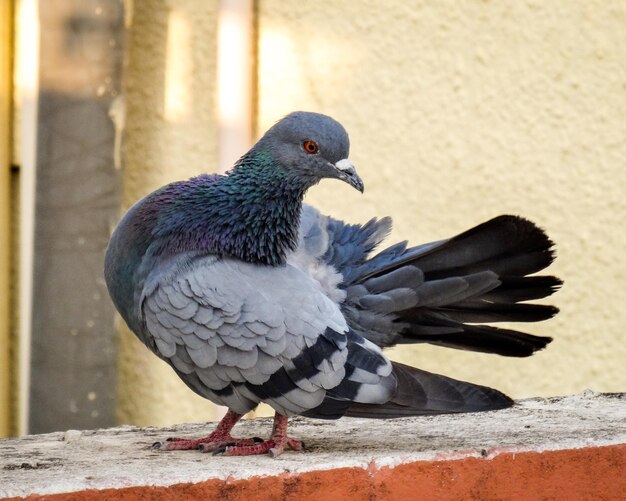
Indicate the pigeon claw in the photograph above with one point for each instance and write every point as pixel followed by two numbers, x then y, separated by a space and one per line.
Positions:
pixel 295 444
pixel 274 452
pixel 208 447
pixel 219 451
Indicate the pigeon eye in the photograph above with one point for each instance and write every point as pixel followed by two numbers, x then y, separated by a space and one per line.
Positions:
pixel 310 146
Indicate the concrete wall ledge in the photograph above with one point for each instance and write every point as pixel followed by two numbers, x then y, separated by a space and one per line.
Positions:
pixel 556 448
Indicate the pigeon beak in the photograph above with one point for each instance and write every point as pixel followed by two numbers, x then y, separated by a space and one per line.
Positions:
pixel 346 172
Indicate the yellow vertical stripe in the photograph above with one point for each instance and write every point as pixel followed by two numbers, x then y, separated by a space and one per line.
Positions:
pixel 6 45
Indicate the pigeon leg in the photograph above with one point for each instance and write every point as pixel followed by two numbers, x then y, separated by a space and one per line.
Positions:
pixel 274 446
pixel 218 438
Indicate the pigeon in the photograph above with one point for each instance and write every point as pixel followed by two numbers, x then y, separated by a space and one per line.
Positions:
pixel 252 296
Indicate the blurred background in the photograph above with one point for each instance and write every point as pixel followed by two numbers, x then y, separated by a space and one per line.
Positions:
pixel 457 111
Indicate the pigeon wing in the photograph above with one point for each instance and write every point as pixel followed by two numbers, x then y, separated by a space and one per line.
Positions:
pixel 239 334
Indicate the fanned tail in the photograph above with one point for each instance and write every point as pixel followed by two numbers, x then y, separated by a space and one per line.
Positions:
pixel 444 292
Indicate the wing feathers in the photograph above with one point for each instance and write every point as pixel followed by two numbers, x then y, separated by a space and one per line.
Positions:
pixel 285 346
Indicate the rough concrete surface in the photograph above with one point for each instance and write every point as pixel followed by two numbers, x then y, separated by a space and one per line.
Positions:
pixel 122 457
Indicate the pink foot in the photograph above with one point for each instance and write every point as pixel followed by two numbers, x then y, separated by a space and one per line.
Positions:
pixel 219 437
pixel 274 447
pixel 270 447
pixel 205 444
pixel 222 442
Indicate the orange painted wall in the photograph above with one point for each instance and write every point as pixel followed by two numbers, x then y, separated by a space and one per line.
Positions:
pixel 595 473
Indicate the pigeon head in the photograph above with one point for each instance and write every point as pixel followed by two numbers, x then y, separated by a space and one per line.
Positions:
pixel 310 147
pixel 253 212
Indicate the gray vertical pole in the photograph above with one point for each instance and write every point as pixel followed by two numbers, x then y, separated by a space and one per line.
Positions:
pixel 78 193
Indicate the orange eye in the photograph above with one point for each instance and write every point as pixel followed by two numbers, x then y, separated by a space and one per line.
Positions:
pixel 310 146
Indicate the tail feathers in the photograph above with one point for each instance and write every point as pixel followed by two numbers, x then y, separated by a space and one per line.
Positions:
pixel 423 393
pixel 503 265
pixel 515 289
pixel 506 245
pixel 479 311
pixel 405 290
pixel 480 338
pixel 442 293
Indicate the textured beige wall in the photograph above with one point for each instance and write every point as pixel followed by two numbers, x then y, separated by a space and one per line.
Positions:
pixel 460 111
pixel 457 111
pixel 171 134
